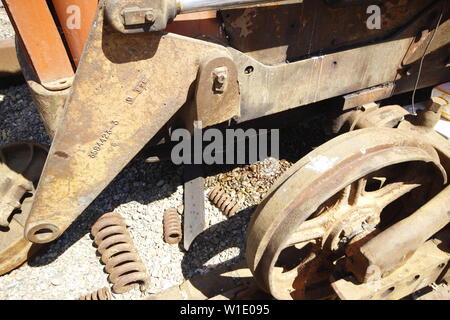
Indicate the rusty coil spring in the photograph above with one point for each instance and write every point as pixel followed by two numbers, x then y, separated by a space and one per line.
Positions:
pixel 172 226
pixel 118 253
pixel 100 294
pixel 224 202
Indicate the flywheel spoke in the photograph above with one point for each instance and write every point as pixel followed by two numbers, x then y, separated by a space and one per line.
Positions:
pixel 392 192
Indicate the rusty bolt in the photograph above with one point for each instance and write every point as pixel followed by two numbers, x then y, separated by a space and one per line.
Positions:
pixel 135 16
pixel 150 16
pixel 220 76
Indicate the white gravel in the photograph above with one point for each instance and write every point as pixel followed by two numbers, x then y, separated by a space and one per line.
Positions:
pixel 7 30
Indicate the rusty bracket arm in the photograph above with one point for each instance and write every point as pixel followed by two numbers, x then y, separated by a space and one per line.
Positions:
pixel 126 88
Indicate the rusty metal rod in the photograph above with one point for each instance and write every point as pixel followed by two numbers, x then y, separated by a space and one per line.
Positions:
pixel 204 5
pixel 76 18
pixel 42 42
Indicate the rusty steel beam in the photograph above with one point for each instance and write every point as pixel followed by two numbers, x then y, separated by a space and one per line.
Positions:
pixel 76 18
pixel 33 21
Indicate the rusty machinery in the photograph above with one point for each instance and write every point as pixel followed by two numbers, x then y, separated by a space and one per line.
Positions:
pixel 339 221
pixel 118 253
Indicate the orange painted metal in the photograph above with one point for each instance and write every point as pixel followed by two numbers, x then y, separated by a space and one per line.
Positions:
pixel 76 18
pixel 197 25
pixel 33 21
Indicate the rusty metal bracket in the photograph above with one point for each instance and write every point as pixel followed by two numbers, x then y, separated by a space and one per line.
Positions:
pixel 424 267
pixel 217 96
pixel 134 16
pixel 98 133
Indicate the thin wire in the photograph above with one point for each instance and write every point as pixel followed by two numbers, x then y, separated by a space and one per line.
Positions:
pixel 423 58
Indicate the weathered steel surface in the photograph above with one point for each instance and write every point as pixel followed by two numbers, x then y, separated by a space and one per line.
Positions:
pixel 370 115
pixel 215 106
pixel 422 269
pixel 9 65
pixel 368 95
pixel 329 75
pixel 20 168
pixel 200 25
pixel 395 245
pixel 76 18
pixel 314 79
pixel 33 21
pixel 316 178
pixel 126 88
pixel 136 16
pixel 49 103
pixel 194 221
pixel 276 34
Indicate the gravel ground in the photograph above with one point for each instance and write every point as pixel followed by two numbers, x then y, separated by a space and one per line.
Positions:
pixel 70 267
pixel 6 29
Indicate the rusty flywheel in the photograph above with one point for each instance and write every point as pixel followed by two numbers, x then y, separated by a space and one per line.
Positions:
pixel 20 168
pixel 341 194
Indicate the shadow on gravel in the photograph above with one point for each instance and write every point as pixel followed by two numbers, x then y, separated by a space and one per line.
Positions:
pixel 138 182
pixel 233 233
pixel 145 183
pixel 135 183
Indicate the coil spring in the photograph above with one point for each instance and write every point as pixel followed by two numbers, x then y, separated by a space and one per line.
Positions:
pixel 100 294
pixel 118 253
pixel 224 202
pixel 172 226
